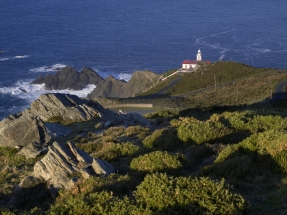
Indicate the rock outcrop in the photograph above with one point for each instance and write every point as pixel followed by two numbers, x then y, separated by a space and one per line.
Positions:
pixel 21 129
pixel 140 81
pixel 64 163
pixel 33 150
pixel 69 78
pixel 110 87
pixel 66 107
pixel 71 108
pixel 32 125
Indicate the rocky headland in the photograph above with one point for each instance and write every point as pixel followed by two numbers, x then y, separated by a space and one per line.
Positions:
pixel 69 78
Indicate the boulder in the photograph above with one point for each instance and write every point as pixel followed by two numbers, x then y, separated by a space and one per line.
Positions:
pixel 64 164
pixel 69 78
pixel 22 129
pixel 33 150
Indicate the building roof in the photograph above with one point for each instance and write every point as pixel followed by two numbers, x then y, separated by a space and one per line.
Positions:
pixel 189 62
pixel 195 61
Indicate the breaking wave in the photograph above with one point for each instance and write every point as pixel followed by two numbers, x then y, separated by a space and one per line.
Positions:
pixel 30 92
pixel 53 68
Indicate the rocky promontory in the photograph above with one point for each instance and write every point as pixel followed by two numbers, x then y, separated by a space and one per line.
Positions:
pixel 140 81
pixel 69 78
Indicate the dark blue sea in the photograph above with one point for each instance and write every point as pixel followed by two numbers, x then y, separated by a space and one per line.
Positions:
pixel 118 37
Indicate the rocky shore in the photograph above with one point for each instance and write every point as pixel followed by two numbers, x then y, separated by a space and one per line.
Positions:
pixel 69 78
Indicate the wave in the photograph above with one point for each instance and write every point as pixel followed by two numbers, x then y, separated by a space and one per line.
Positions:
pixel 53 68
pixel 31 92
pixel 260 51
pixel 4 59
pixel 21 56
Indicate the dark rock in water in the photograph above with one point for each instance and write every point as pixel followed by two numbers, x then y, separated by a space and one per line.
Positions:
pixel 140 81
pixel 23 90
pixel 69 78
pixel 64 163
pixel 22 129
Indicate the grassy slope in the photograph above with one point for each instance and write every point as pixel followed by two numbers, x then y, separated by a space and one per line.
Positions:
pixel 222 71
pixel 248 145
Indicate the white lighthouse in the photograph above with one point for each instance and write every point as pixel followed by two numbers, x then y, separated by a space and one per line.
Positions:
pixel 199 56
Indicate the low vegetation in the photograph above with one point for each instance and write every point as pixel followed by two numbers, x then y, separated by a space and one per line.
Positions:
pixel 202 160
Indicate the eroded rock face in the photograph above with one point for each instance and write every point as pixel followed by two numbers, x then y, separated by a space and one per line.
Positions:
pixel 21 129
pixel 64 162
pixel 69 78
pixel 66 107
pixel 140 81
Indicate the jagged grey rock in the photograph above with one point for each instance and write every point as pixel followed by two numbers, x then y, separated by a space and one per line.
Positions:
pixel 69 78
pixel 140 81
pixel 33 150
pixel 22 129
pixel 71 108
pixel 64 162
pixel 67 107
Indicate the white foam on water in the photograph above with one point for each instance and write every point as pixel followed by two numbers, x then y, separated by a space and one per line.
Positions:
pixel 222 49
pixel 261 51
pixel 21 56
pixel 121 76
pixel 125 76
pixel 52 68
pixel 31 92
pixel 4 59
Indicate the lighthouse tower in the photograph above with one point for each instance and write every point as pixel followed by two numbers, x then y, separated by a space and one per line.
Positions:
pixel 199 56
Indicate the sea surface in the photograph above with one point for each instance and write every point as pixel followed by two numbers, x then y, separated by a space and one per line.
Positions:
pixel 118 37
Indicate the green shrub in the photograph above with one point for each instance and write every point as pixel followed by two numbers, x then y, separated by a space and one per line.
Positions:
pixel 202 131
pixel 160 192
pixel 157 161
pixel 258 155
pixel 164 139
pixel 102 203
pixel 124 149
pixel 250 121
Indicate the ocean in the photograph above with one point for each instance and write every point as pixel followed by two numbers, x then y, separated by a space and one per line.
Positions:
pixel 119 37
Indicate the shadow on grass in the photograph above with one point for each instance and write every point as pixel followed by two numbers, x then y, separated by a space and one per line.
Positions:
pixel 256 176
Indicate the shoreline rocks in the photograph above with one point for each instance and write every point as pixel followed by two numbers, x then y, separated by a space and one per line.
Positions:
pixel 69 78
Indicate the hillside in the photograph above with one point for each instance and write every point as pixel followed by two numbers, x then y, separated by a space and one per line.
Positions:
pixel 207 76
pixel 228 160
pixel 217 150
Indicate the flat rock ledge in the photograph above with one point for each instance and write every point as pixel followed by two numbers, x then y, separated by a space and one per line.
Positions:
pixel 64 164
